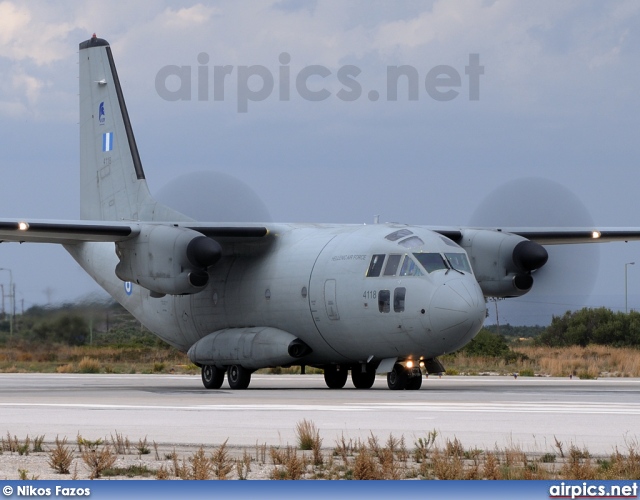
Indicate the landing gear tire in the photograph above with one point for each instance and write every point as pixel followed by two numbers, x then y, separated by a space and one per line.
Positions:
pixel 238 377
pixel 335 378
pixel 397 378
pixel 212 377
pixel 414 383
pixel 362 380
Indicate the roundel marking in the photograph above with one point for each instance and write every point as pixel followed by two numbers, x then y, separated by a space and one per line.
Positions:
pixel 128 287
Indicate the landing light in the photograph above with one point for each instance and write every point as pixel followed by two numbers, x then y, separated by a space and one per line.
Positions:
pixel 595 235
pixel 23 226
pixel 409 364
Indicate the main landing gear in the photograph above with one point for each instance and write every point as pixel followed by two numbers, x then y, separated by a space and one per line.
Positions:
pixel 335 376
pixel 237 376
pixel 363 380
pixel 212 377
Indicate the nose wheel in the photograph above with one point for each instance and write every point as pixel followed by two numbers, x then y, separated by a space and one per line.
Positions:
pixel 401 378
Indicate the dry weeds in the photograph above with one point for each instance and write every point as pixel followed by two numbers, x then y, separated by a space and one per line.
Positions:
pixel 61 456
pixel 588 362
pixel 84 359
pixel 98 461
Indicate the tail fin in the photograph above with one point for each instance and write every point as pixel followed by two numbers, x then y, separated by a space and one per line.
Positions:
pixel 112 181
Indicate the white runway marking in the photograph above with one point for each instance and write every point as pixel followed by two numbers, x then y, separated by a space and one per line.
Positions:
pixel 509 407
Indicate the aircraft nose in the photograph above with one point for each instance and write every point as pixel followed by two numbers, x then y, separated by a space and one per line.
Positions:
pixel 457 311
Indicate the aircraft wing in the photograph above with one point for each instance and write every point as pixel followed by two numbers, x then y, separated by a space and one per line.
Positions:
pixel 70 232
pixel 64 232
pixel 555 235
pixel 565 236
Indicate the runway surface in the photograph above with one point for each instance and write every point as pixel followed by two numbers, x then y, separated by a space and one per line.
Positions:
pixel 481 412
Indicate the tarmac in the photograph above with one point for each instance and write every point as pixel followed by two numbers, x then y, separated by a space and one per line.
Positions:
pixel 482 412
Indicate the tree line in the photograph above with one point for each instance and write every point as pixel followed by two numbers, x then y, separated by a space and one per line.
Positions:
pixel 592 326
pixel 98 323
pixel 110 324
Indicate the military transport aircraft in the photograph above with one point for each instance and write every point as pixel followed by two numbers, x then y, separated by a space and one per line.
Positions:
pixel 379 298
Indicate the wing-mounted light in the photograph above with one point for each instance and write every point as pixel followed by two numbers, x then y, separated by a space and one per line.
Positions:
pixel 167 259
pixel 503 262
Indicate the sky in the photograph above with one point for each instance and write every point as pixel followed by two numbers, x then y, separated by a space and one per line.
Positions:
pixel 501 97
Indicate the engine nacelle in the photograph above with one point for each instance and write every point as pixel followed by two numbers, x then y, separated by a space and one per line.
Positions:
pixel 251 348
pixel 167 259
pixel 502 262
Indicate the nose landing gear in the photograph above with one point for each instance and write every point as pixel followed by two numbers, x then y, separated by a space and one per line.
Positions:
pixel 401 378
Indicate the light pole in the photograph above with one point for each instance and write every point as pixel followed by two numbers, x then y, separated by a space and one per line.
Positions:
pixel 11 304
pixel 626 309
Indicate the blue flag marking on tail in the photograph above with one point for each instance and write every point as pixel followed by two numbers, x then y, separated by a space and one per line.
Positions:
pixel 107 141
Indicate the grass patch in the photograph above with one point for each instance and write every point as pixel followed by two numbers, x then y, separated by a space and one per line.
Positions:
pixel 308 435
pixel 589 362
pixel 89 365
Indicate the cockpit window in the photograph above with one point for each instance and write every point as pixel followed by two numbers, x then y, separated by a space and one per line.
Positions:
pixel 391 269
pixel 396 235
pixel 459 261
pixel 431 261
pixel 449 242
pixel 375 266
pixel 410 268
pixel 412 242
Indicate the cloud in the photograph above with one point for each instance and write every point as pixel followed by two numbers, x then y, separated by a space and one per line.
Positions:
pixel 525 49
pixel 30 33
pixel 30 85
pixel 188 16
pixel 13 20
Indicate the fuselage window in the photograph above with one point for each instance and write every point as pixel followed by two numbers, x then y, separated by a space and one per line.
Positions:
pixel 384 301
pixel 410 268
pixel 398 299
pixel 391 269
pixel 375 266
pixel 431 261
pixel 459 261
